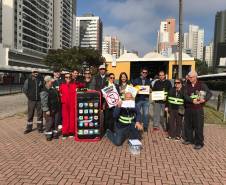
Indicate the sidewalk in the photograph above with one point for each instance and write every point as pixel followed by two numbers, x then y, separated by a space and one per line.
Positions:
pixel 30 159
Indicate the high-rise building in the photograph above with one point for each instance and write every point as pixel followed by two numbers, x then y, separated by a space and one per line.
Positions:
pixel 185 41
pixel 111 45
pixel 28 29
pixel 166 40
pixel 208 54
pixel 64 11
pixel 89 32
pixel 219 37
pixel 196 41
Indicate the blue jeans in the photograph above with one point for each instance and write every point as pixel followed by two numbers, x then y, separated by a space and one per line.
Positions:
pixel 143 106
pixel 159 109
pixel 122 133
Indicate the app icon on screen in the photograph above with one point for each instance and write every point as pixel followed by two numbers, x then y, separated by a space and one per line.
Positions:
pixel 86 124
pixel 96 131
pixel 85 104
pixel 80 117
pixel 86 117
pixel 86 111
pixel 80 105
pixel 91 124
pixel 91 111
pixel 95 124
pixel 86 132
pixel 80 124
pixel 91 118
pixel 96 117
pixel 95 111
pixel 95 105
pixel 80 111
pixel 80 132
pixel 91 132
pixel 90 104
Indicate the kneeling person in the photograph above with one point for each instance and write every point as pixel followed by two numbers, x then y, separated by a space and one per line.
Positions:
pixel 128 121
pixel 50 103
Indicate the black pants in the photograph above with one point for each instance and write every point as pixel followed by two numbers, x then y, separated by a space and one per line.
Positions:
pixel 108 119
pixel 194 122
pixel 32 105
pixel 175 123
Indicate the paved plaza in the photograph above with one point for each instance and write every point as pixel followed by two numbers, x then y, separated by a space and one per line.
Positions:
pixel 30 159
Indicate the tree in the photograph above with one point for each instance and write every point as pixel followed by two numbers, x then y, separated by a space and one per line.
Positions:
pixel 69 59
pixel 201 67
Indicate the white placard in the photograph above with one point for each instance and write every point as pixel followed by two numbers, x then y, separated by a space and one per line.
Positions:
pixel 111 95
pixel 135 142
pixel 132 90
pixel 157 95
pixel 128 104
pixel 144 89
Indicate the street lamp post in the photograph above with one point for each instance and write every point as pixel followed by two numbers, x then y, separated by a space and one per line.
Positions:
pixel 180 37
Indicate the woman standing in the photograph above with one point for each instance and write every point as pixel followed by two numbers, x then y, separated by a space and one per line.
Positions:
pixel 69 102
pixel 123 82
pixel 108 113
pixel 175 109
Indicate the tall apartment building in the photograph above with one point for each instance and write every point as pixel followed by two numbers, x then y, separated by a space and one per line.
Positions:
pixel 111 45
pixel 89 32
pixel 219 37
pixel 185 41
pixel 196 41
pixel 208 54
pixel 166 40
pixel 28 30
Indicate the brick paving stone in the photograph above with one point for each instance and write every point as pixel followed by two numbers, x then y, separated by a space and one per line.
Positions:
pixel 30 159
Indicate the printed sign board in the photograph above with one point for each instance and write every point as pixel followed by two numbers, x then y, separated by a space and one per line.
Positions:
pixel 157 95
pixel 111 95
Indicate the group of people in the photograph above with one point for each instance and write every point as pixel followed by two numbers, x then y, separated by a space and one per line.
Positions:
pixel 55 99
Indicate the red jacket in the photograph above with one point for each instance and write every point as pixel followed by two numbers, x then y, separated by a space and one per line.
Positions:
pixel 69 103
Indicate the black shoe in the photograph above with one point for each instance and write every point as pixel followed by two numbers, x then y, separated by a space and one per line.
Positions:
pixel 186 142
pixel 48 139
pixel 40 127
pixel 198 147
pixel 40 130
pixel 28 129
pixel 55 135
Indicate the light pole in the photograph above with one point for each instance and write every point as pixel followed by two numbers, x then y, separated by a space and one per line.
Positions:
pixel 180 37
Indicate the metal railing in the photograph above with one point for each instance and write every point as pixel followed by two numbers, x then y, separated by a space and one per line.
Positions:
pixel 10 89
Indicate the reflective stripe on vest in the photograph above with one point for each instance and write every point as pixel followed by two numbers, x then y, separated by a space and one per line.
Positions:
pixel 126 120
pixel 194 96
pixel 176 101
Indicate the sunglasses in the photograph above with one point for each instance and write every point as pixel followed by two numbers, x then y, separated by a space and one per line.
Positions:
pixel 145 72
pixel 102 69
pixel 112 77
pixel 177 82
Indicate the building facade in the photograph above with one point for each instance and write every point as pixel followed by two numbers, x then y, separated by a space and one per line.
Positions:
pixel 28 30
pixel 89 32
pixel 219 37
pixel 111 45
pixel 208 54
pixel 196 41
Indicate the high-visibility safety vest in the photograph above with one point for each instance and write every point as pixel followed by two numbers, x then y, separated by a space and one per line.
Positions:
pixel 194 96
pixel 127 115
pixel 175 101
pixel 126 119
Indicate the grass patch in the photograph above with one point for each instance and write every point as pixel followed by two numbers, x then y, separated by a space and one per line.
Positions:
pixel 213 117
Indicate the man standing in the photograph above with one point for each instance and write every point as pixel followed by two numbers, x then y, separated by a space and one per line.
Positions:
pixel 32 88
pixel 101 78
pixel 194 113
pixel 142 100
pixel 159 106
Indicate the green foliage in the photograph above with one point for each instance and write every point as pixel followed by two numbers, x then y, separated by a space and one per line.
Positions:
pixel 72 58
pixel 201 67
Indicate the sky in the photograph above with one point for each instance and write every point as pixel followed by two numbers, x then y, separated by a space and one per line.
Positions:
pixel 136 22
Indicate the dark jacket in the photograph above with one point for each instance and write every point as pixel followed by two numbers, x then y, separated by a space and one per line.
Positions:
pixel 99 82
pixel 138 81
pixel 50 100
pixel 160 85
pixel 57 83
pixel 32 88
pixel 193 91
pixel 180 95
pixel 135 112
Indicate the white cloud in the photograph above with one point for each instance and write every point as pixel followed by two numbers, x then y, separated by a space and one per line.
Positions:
pixel 139 19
